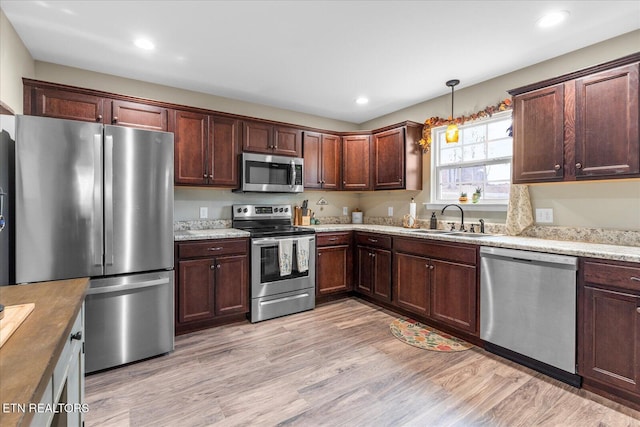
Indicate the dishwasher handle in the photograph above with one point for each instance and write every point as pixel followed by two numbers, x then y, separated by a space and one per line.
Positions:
pixel 569 262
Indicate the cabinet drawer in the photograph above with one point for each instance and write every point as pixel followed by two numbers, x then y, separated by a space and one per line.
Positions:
pixel 375 240
pixel 211 248
pixel 625 276
pixel 449 251
pixel 330 239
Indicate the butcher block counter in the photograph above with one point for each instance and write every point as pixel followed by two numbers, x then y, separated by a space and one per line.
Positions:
pixel 30 356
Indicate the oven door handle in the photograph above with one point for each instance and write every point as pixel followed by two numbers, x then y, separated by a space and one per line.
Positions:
pixel 272 241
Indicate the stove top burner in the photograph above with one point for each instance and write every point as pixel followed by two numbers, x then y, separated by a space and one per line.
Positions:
pixel 276 231
pixel 266 220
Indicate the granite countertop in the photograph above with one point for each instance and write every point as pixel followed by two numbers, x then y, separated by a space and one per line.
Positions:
pixel 563 247
pixel 29 356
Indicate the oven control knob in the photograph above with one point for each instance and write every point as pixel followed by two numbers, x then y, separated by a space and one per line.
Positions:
pixel 239 210
pixel 280 209
pixel 245 210
pixel 286 209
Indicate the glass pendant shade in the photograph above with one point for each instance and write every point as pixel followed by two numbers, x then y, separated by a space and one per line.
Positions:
pixel 451 134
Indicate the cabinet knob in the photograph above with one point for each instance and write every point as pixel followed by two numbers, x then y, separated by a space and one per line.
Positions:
pixel 557 167
pixel 115 119
pixel 205 176
pixel 431 267
pixel 638 310
pixel 99 118
pixel 218 266
pixel 400 179
pixel 344 182
pixel 77 336
pixel 578 165
pixel 373 255
pixel 210 176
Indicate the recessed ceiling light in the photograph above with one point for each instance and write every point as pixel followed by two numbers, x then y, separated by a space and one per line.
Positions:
pixel 145 44
pixel 362 100
pixel 552 18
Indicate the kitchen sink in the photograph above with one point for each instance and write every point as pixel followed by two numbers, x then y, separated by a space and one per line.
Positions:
pixel 430 231
pixel 470 234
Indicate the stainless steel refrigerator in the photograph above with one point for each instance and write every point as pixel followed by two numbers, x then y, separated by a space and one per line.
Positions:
pixel 97 201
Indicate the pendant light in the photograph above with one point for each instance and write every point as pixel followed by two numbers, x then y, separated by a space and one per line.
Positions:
pixel 451 134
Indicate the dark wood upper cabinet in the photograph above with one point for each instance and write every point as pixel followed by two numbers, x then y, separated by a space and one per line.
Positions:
pixel 397 161
pixel 607 140
pixel 67 105
pixel 581 126
pixel 224 147
pixel 322 161
pixel 356 162
pixel 191 145
pixel 259 137
pixel 139 115
pixel 538 126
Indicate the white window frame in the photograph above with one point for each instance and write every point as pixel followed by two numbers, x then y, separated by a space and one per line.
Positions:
pixel 483 204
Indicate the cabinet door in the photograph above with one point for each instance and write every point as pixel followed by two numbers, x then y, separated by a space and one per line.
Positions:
pixel 356 163
pixel 195 290
pixel 609 347
pixel 382 274
pixel 191 136
pixel 69 105
pixel 453 294
pixel 312 160
pixel 607 139
pixel 257 138
pixel 388 155
pixel 232 284
pixel 333 269
pixel 411 283
pixel 331 162
pixel 223 151
pixel 364 264
pixel 138 115
pixel 538 135
pixel 287 142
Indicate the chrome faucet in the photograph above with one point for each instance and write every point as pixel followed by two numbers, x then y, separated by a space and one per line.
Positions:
pixel 461 215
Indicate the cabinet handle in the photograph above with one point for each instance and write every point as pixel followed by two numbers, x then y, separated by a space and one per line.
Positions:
pixel 373 240
pixel 578 165
pixel 333 239
pixel 215 249
pixel 115 119
pixel 635 279
pixel 638 310
pixel 76 336
pixel 557 167
pixel 99 118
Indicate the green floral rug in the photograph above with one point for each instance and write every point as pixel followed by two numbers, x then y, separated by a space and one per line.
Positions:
pixel 421 336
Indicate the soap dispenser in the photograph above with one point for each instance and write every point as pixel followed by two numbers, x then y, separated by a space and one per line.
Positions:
pixel 433 223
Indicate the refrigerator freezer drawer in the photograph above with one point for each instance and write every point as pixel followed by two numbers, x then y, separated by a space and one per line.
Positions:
pixel 128 318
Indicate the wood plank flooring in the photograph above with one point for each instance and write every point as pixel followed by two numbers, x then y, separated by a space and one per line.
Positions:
pixel 337 365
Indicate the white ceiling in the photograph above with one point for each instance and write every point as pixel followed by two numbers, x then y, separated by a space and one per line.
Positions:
pixel 314 57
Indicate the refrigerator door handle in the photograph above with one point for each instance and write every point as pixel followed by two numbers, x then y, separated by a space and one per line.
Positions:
pixel 129 286
pixel 108 200
pixel 97 200
pixel 2 220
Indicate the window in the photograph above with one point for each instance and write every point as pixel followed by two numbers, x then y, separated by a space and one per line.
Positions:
pixel 480 159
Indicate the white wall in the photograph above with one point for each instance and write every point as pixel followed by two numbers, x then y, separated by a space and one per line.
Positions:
pixel 15 62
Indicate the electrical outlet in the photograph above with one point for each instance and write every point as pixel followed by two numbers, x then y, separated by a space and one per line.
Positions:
pixel 345 210
pixel 204 213
pixel 390 211
pixel 544 216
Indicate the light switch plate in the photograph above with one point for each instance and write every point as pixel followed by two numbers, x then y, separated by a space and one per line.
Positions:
pixel 544 216
pixel 345 210
pixel 204 213
pixel 390 211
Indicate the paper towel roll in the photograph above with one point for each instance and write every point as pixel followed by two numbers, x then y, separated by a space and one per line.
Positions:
pixel 412 213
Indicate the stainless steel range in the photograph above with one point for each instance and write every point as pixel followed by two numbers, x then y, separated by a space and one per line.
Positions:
pixel 283 263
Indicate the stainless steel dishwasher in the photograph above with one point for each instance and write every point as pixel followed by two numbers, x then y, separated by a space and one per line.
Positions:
pixel 528 309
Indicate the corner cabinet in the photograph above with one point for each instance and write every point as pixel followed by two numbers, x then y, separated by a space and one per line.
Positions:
pixel 397 159
pixel 263 137
pixel 373 264
pixel 609 328
pixel 581 126
pixel 356 162
pixel 322 161
pixel 213 283
pixel 66 102
pixel 437 280
pixel 334 264
pixel 206 149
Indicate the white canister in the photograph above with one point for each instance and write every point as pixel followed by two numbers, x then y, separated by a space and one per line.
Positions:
pixel 356 217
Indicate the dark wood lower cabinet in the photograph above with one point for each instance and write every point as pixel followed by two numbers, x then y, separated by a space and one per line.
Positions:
pixel 454 294
pixel 609 334
pixel 211 290
pixel 412 283
pixel 373 264
pixel 334 263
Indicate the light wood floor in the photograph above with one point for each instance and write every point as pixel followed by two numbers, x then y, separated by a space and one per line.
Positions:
pixel 337 365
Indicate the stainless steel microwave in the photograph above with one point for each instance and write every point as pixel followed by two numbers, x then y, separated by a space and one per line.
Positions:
pixel 271 174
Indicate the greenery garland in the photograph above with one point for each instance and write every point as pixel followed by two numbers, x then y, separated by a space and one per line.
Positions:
pixel 432 122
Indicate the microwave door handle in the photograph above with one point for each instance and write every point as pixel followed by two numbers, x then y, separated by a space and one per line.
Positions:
pixel 293 174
